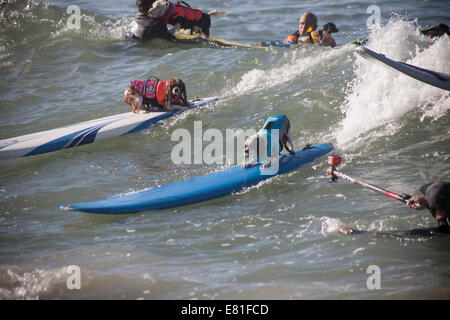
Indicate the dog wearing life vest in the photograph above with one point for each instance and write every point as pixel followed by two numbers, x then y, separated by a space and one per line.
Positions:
pixel 182 16
pixel 258 148
pixel 156 95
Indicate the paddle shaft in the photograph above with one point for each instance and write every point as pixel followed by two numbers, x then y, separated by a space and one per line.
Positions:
pixel 336 174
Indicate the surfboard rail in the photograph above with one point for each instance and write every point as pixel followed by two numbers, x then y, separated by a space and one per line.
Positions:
pixel 434 78
pixel 85 132
pixel 199 189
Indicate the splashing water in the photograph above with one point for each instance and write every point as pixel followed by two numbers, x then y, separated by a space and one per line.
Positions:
pixel 298 64
pixel 379 97
pixel 330 225
pixel 16 283
pixel 53 76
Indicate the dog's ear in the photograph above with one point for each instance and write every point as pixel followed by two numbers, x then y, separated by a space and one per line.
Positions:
pixel 183 94
pixel 177 83
pixel 125 95
pixel 128 96
pixel 134 98
pixel 168 94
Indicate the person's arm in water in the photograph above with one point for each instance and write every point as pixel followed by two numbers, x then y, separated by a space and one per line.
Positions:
pixel 417 203
pixel 437 200
pixel 292 38
pixel 149 28
pixel 421 203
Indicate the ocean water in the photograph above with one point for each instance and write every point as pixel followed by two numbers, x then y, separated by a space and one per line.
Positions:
pixel 274 241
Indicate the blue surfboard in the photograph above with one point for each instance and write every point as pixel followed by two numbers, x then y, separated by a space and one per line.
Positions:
pixel 206 187
pixel 278 43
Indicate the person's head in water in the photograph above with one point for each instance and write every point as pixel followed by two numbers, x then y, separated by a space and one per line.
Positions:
pixel 436 30
pixel 144 5
pixel 307 20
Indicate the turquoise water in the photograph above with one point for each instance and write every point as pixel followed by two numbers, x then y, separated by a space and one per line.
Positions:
pixel 274 241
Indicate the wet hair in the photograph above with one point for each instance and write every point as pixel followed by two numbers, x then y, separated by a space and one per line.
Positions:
pixel 312 16
pixel 144 5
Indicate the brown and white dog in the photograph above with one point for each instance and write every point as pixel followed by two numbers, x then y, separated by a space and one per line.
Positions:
pixel 156 95
pixel 182 16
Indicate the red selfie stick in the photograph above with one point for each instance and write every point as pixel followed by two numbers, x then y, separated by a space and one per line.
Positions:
pixel 336 160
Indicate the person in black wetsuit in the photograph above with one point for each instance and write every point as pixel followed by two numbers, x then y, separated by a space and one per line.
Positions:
pixel 151 28
pixel 437 199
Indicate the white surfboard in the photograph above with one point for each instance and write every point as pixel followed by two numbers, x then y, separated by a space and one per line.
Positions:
pixel 85 132
pixel 437 79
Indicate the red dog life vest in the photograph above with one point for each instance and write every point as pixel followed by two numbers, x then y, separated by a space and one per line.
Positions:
pixel 181 10
pixel 153 91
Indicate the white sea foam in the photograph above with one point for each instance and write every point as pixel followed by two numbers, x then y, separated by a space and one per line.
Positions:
pixel 94 30
pixel 330 225
pixel 16 283
pixel 379 97
pixel 297 64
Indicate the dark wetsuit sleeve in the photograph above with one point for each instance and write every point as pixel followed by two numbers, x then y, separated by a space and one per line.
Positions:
pixel 151 28
pixel 438 197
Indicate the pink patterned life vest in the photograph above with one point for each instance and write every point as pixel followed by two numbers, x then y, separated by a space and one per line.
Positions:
pixel 153 92
pixel 148 85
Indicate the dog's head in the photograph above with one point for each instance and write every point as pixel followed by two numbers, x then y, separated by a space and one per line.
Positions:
pixel 175 93
pixel 330 27
pixel 158 9
pixel 134 98
pixel 144 5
